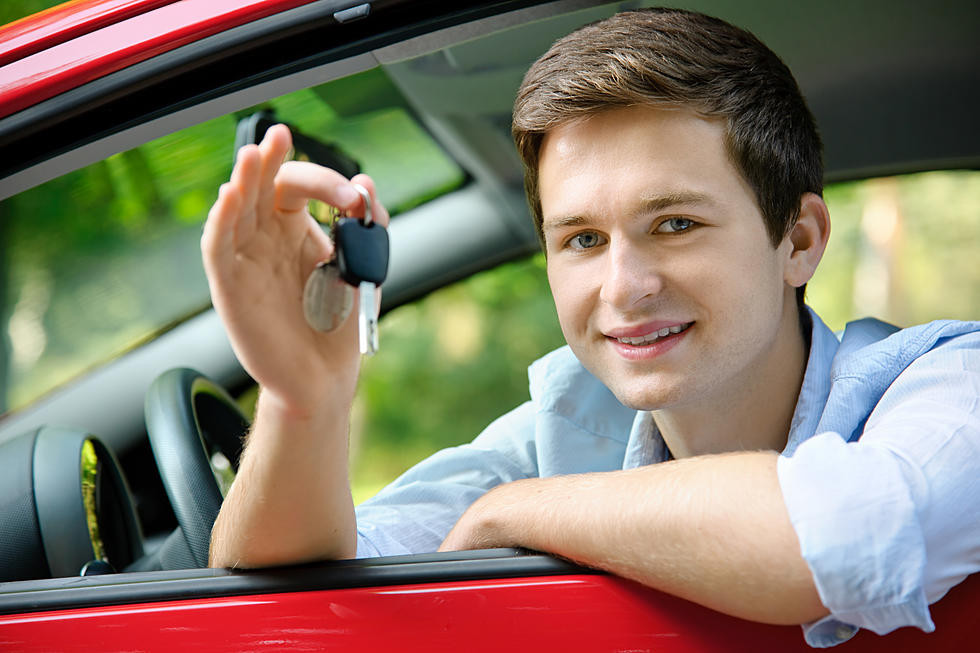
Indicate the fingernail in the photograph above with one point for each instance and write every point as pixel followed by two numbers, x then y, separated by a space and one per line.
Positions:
pixel 347 195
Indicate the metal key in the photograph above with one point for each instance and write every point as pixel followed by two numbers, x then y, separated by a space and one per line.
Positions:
pixel 362 259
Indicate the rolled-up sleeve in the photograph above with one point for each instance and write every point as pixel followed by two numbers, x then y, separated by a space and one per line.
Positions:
pixel 890 522
pixel 416 512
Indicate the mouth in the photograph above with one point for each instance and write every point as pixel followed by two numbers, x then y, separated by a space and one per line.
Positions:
pixel 652 337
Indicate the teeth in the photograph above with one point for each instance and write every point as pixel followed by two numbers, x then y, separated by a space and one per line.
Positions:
pixel 653 337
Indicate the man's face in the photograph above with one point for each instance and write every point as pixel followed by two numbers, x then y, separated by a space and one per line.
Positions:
pixel 667 286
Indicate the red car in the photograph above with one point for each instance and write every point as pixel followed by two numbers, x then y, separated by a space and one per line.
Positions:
pixel 118 120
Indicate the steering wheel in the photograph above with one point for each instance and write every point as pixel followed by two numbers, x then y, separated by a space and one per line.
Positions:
pixel 189 418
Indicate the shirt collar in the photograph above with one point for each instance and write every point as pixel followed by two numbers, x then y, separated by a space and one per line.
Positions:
pixel 647 446
pixel 816 384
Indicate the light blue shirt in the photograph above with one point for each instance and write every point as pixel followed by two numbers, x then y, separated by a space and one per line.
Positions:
pixel 881 471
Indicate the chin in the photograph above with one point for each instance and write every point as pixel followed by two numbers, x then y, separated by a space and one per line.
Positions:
pixel 639 401
pixel 635 390
pixel 645 395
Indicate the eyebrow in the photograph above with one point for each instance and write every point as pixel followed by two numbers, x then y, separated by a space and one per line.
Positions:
pixel 669 200
pixel 549 224
pixel 647 205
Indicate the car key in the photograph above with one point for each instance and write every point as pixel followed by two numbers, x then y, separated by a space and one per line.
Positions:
pixel 362 261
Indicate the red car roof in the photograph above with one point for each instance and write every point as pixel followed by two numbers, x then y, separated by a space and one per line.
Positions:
pixel 74 43
pixel 66 21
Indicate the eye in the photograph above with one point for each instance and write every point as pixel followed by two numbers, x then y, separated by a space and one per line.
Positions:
pixel 585 240
pixel 674 225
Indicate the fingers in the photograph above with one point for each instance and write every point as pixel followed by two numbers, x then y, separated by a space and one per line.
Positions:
pixel 300 181
pixel 378 211
pixel 274 148
pixel 317 248
pixel 244 183
pixel 264 188
pixel 245 174
pixel 253 177
pixel 219 229
pixel 295 183
pixel 248 194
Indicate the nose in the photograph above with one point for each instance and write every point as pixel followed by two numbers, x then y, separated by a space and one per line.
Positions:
pixel 630 275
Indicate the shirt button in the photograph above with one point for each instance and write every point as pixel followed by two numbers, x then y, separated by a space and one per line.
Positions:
pixel 845 632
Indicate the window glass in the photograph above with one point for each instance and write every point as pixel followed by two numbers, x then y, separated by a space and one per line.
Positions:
pixel 902 249
pixel 105 257
pixel 449 365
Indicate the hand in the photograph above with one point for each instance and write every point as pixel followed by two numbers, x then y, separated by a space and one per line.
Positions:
pixel 469 533
pixel 710 529
pixel 490 521
pixel 259 246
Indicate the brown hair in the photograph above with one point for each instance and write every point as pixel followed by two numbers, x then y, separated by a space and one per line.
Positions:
pixel 680 58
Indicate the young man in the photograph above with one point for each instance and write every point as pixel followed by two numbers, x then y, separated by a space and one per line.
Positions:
pixel 674 173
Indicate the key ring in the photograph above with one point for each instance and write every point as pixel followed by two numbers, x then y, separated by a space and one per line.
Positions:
pixel 366 196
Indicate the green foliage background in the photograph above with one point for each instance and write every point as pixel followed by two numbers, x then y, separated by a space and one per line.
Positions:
pixel 448 366
pixel 11 10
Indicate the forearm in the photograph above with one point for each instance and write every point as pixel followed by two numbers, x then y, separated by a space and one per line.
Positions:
pixel 713 530
pixel 291 500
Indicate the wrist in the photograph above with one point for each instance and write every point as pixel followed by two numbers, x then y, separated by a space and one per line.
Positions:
pixel 293 414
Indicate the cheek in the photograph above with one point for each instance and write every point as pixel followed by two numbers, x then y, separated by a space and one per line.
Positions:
pixel 754 287
pixel 559 292
pixel 570 299
pixel 736 282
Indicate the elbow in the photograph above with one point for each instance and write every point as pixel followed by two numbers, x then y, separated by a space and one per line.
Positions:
pixel 274 552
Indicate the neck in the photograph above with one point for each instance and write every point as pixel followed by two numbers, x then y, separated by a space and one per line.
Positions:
pixel 755 415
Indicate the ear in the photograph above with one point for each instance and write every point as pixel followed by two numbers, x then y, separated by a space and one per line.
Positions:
pixel 807 240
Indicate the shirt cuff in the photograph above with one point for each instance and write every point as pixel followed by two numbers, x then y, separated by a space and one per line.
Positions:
pixel 828 632
pixel 859 533
pixel 835 629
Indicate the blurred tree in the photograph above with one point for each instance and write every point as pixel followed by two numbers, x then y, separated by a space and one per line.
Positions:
pixel 5 308
pixel 450 364
pixel 11 10
pixel 928 224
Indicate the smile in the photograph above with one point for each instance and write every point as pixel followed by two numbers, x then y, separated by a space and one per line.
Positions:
pixel 654 336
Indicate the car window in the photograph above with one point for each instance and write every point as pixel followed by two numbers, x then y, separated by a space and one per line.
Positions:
pixel 101 259
pixel 463 352
pixel 902 249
